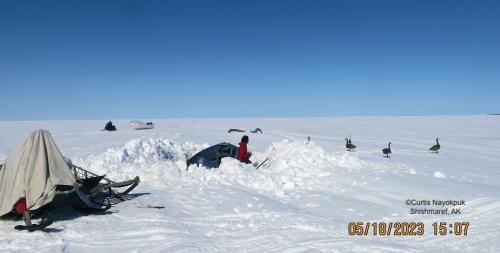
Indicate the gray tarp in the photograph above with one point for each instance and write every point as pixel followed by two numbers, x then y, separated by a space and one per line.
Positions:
pixel 32 171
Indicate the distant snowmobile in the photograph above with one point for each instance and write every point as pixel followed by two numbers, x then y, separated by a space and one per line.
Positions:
pixel 109 126
pixel 256 130
pixel 139 125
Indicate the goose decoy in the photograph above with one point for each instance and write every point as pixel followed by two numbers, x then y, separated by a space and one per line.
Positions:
pixel 387 151
pixel 436 147
pixel 349 145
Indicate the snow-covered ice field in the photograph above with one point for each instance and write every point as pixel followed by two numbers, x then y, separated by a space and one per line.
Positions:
pixel 300 201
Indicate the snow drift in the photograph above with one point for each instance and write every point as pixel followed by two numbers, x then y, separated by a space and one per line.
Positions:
pixel 153 159
pixel 159 162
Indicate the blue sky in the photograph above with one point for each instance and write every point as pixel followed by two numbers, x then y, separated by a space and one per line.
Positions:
pixel 161 59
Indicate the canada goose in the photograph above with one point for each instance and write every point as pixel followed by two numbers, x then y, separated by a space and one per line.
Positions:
pixel 436 147
pixel 349 145
pixel 387 151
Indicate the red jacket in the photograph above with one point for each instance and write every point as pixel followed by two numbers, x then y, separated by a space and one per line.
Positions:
pixel 243 154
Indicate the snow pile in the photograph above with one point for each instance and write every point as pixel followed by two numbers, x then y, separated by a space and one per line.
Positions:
pixel 439 174
pixel 150 158
pixel 292 165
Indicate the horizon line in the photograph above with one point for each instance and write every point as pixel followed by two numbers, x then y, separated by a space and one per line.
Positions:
pixel 257 117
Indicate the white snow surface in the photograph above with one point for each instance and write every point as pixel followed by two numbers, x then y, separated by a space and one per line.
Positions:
pixel 301 200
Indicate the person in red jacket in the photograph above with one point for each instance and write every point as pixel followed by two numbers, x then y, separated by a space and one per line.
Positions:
pixel 243 154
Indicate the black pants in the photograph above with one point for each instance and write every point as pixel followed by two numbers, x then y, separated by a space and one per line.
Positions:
pixel 246 161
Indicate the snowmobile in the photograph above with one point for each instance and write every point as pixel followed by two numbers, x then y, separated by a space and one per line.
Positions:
pixel 211 157
pixel 256 130
pixel 109 126
pixel 139 125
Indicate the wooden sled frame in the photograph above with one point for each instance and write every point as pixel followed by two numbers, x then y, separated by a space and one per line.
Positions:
pixel 83 174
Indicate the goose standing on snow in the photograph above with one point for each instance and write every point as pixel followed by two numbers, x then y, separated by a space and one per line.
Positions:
pixel 436 147
pixel 387 151
pixel 349 145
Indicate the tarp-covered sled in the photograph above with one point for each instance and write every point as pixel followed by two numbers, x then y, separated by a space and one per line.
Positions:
pixel 36 177
pixel 211 157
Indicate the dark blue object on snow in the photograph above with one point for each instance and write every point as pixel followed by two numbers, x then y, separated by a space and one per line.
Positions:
pixel 211 157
